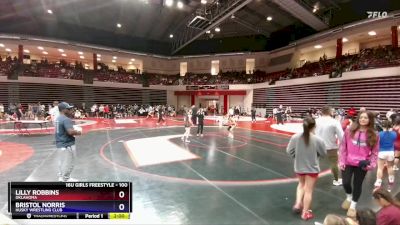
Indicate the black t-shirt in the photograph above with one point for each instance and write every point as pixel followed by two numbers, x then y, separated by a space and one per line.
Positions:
pixel 200 118
pixel 394 117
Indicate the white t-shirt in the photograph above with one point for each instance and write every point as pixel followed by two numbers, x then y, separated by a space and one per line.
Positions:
pixel 329 130
pixel 54 113
pixel 388 114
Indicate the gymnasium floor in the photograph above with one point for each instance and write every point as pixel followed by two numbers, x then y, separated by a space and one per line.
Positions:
pixel 213 179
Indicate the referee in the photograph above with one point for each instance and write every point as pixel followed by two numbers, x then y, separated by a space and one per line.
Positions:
pixel 65 142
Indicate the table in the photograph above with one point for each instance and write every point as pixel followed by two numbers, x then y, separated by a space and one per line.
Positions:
pixel 20 124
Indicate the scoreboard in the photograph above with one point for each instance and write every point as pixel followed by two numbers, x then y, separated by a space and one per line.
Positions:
pixel 70 200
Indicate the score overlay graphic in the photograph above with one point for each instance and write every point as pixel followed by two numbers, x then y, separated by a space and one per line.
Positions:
pixel 70 200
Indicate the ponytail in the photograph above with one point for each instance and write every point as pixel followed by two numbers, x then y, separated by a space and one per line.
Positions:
pixel 381 193
pixel 308 125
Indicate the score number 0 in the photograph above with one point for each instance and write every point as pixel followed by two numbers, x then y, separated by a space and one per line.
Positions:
pixel 121 206
pixel 121 194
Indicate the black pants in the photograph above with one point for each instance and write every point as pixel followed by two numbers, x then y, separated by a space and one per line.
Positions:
pixel 279 119
pixel 194 120
pixel 253 117
pixel 358 176
pixel 200 128
pixel 160 119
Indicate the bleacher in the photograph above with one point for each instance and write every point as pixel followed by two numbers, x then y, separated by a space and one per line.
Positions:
pixel 376 94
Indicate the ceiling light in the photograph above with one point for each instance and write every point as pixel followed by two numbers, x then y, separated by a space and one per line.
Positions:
pixel 345 40
pixel 130 63
pixel 114 57
pixel 372 33
pixel 269 18
pixel 314 10
pixel 45 53
pixel 318 46
pixel 61 50
pixel 207 32
pixel 40 48
pixel 26 51
pixel 1 45
pixel 180 5
pixel 169 3
pixel 98 55
pixel 233 16
pixel 132 60
pixel 49 11
pixel 8 50
pixel 119 25
pixel 64 54
pixel 171 36
pixel 98 59
pixel 203 2
pixel 217 29
pixel 82 57
pixel 113 61
pixel 80 53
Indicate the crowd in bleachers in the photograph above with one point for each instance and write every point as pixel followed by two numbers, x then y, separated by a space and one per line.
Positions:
pixel 381 56
pixel 7 65
pixel 125 111
pixel 41 111
pixel 61 70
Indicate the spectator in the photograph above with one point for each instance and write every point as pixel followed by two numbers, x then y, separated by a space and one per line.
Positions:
pixel 352 112
pixel 389 114
pixel 1 111
pixel 389 214
pixel 330 131
pixel 357 154
pixel 396 128
pixel 386 154
pixel 331 219
pixel 54 111
pixel 306 148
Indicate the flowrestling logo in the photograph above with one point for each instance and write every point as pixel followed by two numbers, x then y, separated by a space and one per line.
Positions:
pixel 377 14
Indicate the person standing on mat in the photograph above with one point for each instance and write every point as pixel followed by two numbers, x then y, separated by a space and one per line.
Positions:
pixel 231 125
pixel 396 128
pixel 306 148
pixel 358 153
pixel 194 114
pixel 330 130
pixel 65 142
pixel 253 115
pixel 386 154
pixel 200 122
pixel 279 115
pixel 161 114
pixel 187 123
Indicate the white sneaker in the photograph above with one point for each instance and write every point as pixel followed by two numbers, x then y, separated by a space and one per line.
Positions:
pixel 378 183
pixel 197 135
pixel 337 182
pixel 395 168
pixel 187 141
pixel 201 135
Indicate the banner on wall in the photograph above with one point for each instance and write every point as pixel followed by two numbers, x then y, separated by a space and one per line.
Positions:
pixel 207 87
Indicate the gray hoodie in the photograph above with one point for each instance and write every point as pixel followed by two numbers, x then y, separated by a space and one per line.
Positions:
pixel 306 157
